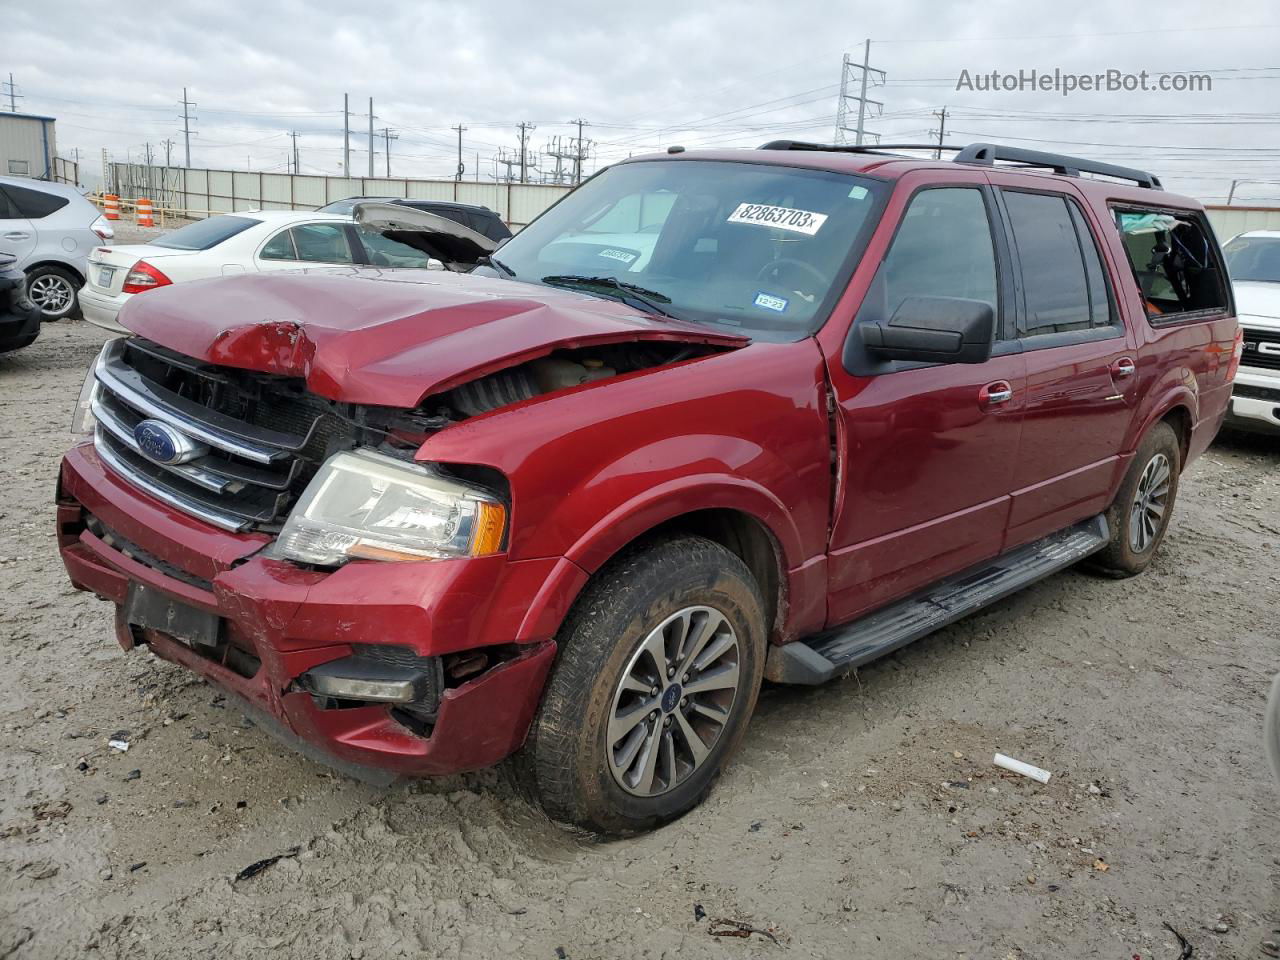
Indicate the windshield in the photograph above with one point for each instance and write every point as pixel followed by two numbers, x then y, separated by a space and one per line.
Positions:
pixel 204 234
pixel 760 247
pixel 1254 258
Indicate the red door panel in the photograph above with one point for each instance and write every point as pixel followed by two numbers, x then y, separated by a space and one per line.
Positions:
pixel 929 465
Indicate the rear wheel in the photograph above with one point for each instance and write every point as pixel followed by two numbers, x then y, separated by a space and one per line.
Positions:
pixel 53 290
pixel 1140 515
pixel 658 672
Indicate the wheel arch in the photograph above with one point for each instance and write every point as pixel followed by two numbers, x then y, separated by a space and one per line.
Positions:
pixel 741 530
pixel 60 264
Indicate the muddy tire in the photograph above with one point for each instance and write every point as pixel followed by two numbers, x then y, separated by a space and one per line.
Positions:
pixel 658 671
pixel 1140 514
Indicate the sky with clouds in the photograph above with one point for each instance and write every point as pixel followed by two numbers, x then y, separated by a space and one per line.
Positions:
pixel 643 76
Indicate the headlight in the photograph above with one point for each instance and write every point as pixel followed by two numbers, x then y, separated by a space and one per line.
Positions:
pixel 364 504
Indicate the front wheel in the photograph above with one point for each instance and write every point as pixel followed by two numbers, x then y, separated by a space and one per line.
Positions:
pixel 1140 515
pixel 658 671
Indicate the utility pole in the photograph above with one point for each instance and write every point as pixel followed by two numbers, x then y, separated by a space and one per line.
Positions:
pixel 371 138
pixel 186 124
pixel 293 134
pixel 941 131
pixel 168 148
pixel 1232 192
pixel 346 135
pixel 868 73
pixel 461 166
pixel 580 154
pixel 14 96
pixel 525 129
pixel 387 137
pixel 477 166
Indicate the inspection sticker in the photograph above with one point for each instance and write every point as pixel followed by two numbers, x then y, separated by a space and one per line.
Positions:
pixel 769 302
pixel 612 254
pixel 781 218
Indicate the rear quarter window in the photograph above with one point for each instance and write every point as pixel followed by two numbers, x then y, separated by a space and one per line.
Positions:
pixel 205 234
pixel 1175 262
pixel 33 204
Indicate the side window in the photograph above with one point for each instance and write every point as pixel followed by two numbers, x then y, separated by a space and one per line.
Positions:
pixel 7 210
pixel 34 204
pixel 1173 260
pixel 1101 308
pixel 322 243
pixel 385 252
pixel 279 247
pixel 943 248
pixel 1055 283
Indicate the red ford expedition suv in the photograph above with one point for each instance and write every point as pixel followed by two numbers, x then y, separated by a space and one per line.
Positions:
pixel 714 417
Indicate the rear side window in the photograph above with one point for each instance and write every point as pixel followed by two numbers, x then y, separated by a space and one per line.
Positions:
pixel 1174 262
pixel 205 234
pixel 942 248
pixel 279 247
pixel 1064 284
pixel 33 204
pixel 322 243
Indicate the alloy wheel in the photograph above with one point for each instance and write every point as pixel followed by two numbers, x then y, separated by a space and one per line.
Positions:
pixel 673 702
pixel 1150 501
pixel 52 294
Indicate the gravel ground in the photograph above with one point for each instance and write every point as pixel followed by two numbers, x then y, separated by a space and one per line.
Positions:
pixel 860 819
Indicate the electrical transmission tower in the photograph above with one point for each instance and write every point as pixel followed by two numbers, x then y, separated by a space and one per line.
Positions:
pixel 862 74
pixel 526 128
pixel 505 160
pixel 387 137
pixel 187 119
pixel 11 91
pixel 558 150
pixel 580 151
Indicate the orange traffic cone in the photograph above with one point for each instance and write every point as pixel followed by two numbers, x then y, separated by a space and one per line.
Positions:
pixel 145 219
pixel 111 206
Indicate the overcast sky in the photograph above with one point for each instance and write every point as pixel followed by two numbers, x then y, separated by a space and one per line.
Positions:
pixel 644 75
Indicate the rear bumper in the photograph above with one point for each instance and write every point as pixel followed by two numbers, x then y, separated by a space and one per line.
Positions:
pixel 280 621
pixel 1255 401
pixel 101 310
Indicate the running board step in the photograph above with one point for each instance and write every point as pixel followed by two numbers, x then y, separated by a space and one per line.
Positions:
pixel 834 652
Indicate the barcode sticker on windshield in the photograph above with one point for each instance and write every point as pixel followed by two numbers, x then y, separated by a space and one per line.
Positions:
pixel 780 218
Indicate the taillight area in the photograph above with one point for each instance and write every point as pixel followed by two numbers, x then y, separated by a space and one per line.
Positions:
pixel 144 277
pixel 102 227
pixel 1236 353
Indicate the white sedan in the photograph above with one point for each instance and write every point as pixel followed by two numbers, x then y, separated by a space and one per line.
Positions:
pixel 379 235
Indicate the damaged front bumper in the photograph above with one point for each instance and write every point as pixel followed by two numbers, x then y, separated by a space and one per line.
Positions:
pixel 411 668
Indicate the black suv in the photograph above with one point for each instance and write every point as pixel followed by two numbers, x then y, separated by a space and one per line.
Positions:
pixel 480 219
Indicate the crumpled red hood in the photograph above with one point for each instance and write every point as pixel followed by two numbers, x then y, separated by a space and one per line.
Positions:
pixel 388 338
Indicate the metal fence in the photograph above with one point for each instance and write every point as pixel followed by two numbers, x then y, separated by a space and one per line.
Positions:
pixel 201 193
pixel 1230 221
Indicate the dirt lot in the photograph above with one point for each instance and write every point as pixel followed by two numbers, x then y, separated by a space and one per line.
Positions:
pixel 863 819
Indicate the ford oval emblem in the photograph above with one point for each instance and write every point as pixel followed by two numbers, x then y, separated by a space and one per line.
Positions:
pixel 162 443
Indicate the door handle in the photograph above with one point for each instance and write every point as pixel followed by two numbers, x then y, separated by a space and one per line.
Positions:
pixel 1124 368
pixel 15 235
pixel 995 393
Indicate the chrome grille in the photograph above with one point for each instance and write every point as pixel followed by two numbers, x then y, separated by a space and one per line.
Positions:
pixel 248 473
pixel 1261 349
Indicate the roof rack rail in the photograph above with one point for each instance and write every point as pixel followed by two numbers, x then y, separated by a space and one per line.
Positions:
pixel 885 148
pixel 986 154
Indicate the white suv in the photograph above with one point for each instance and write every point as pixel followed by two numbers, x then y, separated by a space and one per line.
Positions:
pixel 50 228
pixel 1253 260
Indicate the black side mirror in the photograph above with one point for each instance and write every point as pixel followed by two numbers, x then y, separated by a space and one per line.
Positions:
pixel 933 330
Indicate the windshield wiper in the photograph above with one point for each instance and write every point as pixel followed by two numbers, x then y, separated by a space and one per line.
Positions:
pixel 498 265
pixel 647 299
